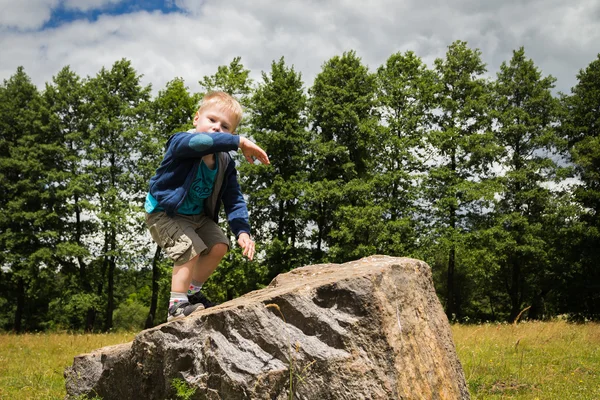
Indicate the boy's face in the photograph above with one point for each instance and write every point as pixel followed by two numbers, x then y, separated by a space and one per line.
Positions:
pixel 214 119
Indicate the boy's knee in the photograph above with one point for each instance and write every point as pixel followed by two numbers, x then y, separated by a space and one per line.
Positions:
pixel 219 250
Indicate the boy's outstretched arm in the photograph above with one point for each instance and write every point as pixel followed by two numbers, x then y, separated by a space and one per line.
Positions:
pixel 251 149
pixel 247 245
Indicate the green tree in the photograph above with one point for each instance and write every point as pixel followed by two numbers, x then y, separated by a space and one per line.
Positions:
pixel 27 199
pixel 525 116
pixel 460 149
pixel 117 106
pixel 405 94
pixel 581 127
pixel 278 123
pixel 233 79
pixel 344 122
pixel 573 283
pixel 68 124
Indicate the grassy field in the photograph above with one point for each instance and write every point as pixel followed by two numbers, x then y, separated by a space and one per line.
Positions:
pixel 532 360
pixel 32 365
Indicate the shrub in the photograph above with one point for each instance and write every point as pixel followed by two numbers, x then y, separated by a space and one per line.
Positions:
pixel 130 316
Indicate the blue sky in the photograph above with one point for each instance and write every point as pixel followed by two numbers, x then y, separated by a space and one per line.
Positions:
pixel 191 38
pixel 63 14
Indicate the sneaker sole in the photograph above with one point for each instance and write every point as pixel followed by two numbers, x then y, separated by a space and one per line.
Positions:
pixel 171 318
pixel 200 308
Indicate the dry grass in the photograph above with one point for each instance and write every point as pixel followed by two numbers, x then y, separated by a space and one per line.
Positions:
pixel 32 365
pixel 531 360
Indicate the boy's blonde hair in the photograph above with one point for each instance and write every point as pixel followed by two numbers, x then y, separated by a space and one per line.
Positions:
pixel 223 101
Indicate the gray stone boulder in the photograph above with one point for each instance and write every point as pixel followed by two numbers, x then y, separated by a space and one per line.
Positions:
pixel 368 329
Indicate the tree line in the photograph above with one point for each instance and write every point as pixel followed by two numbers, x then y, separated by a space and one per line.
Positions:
pixel 495 183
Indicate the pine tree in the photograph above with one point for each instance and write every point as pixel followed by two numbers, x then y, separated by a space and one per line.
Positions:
pixel 116 101
pixel 344 123
pixel 27 199
pixel 460 154
pixel 276 192
pixel 526 113
pixel 405 94
pixel 68 125
pixel 581 127
pixel 233 79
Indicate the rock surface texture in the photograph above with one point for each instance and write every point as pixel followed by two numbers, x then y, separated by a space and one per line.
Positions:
pixel 368 329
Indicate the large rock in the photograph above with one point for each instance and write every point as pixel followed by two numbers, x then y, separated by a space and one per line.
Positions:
pixel 369 329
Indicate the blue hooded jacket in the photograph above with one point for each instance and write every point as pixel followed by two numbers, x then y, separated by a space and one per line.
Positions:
pixel 174 176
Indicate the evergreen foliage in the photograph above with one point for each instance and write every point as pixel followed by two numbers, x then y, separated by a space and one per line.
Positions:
pixel 115 102
pixel 581 127
pixel 343 123
pixel 493 182
pixel 461 151
pixel 28 218
pixel 277 192
pixel 525 114
pixel 405 95
pixel 68 125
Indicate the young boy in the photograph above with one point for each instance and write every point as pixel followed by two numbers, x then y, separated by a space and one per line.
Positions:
pixel 196 175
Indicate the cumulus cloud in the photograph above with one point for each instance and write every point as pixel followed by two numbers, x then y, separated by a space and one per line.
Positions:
pixel 559 36
pixel 33 14
pixel 23 15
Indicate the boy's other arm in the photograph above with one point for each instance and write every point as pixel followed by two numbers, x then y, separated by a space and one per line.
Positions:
pixel 250 149
pixel 247 245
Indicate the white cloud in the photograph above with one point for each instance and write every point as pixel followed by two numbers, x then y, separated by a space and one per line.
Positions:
pixel 30 14
pixel 560 36
pixel 33 14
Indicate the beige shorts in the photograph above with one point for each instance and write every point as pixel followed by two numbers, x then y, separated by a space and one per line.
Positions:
pixel 183 237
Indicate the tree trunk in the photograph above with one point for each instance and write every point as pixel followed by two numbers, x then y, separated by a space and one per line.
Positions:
pixel 20 305
pixel 515 291
pixel 450 306
pixel 538 305
pixel 90 318
pixel 293 231
pixel 280 220
pixel 110 295
pixel 155 288
pixel 320 228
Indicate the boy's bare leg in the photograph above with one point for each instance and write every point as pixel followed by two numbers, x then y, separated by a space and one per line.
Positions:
pixel 206 264
pixel 182 276
pixel 179 305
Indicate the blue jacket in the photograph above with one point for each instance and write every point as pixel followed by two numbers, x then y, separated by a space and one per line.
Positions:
pixel 174 176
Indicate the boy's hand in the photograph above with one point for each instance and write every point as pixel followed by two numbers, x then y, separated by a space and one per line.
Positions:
pixel 247 245
pixel 250 149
